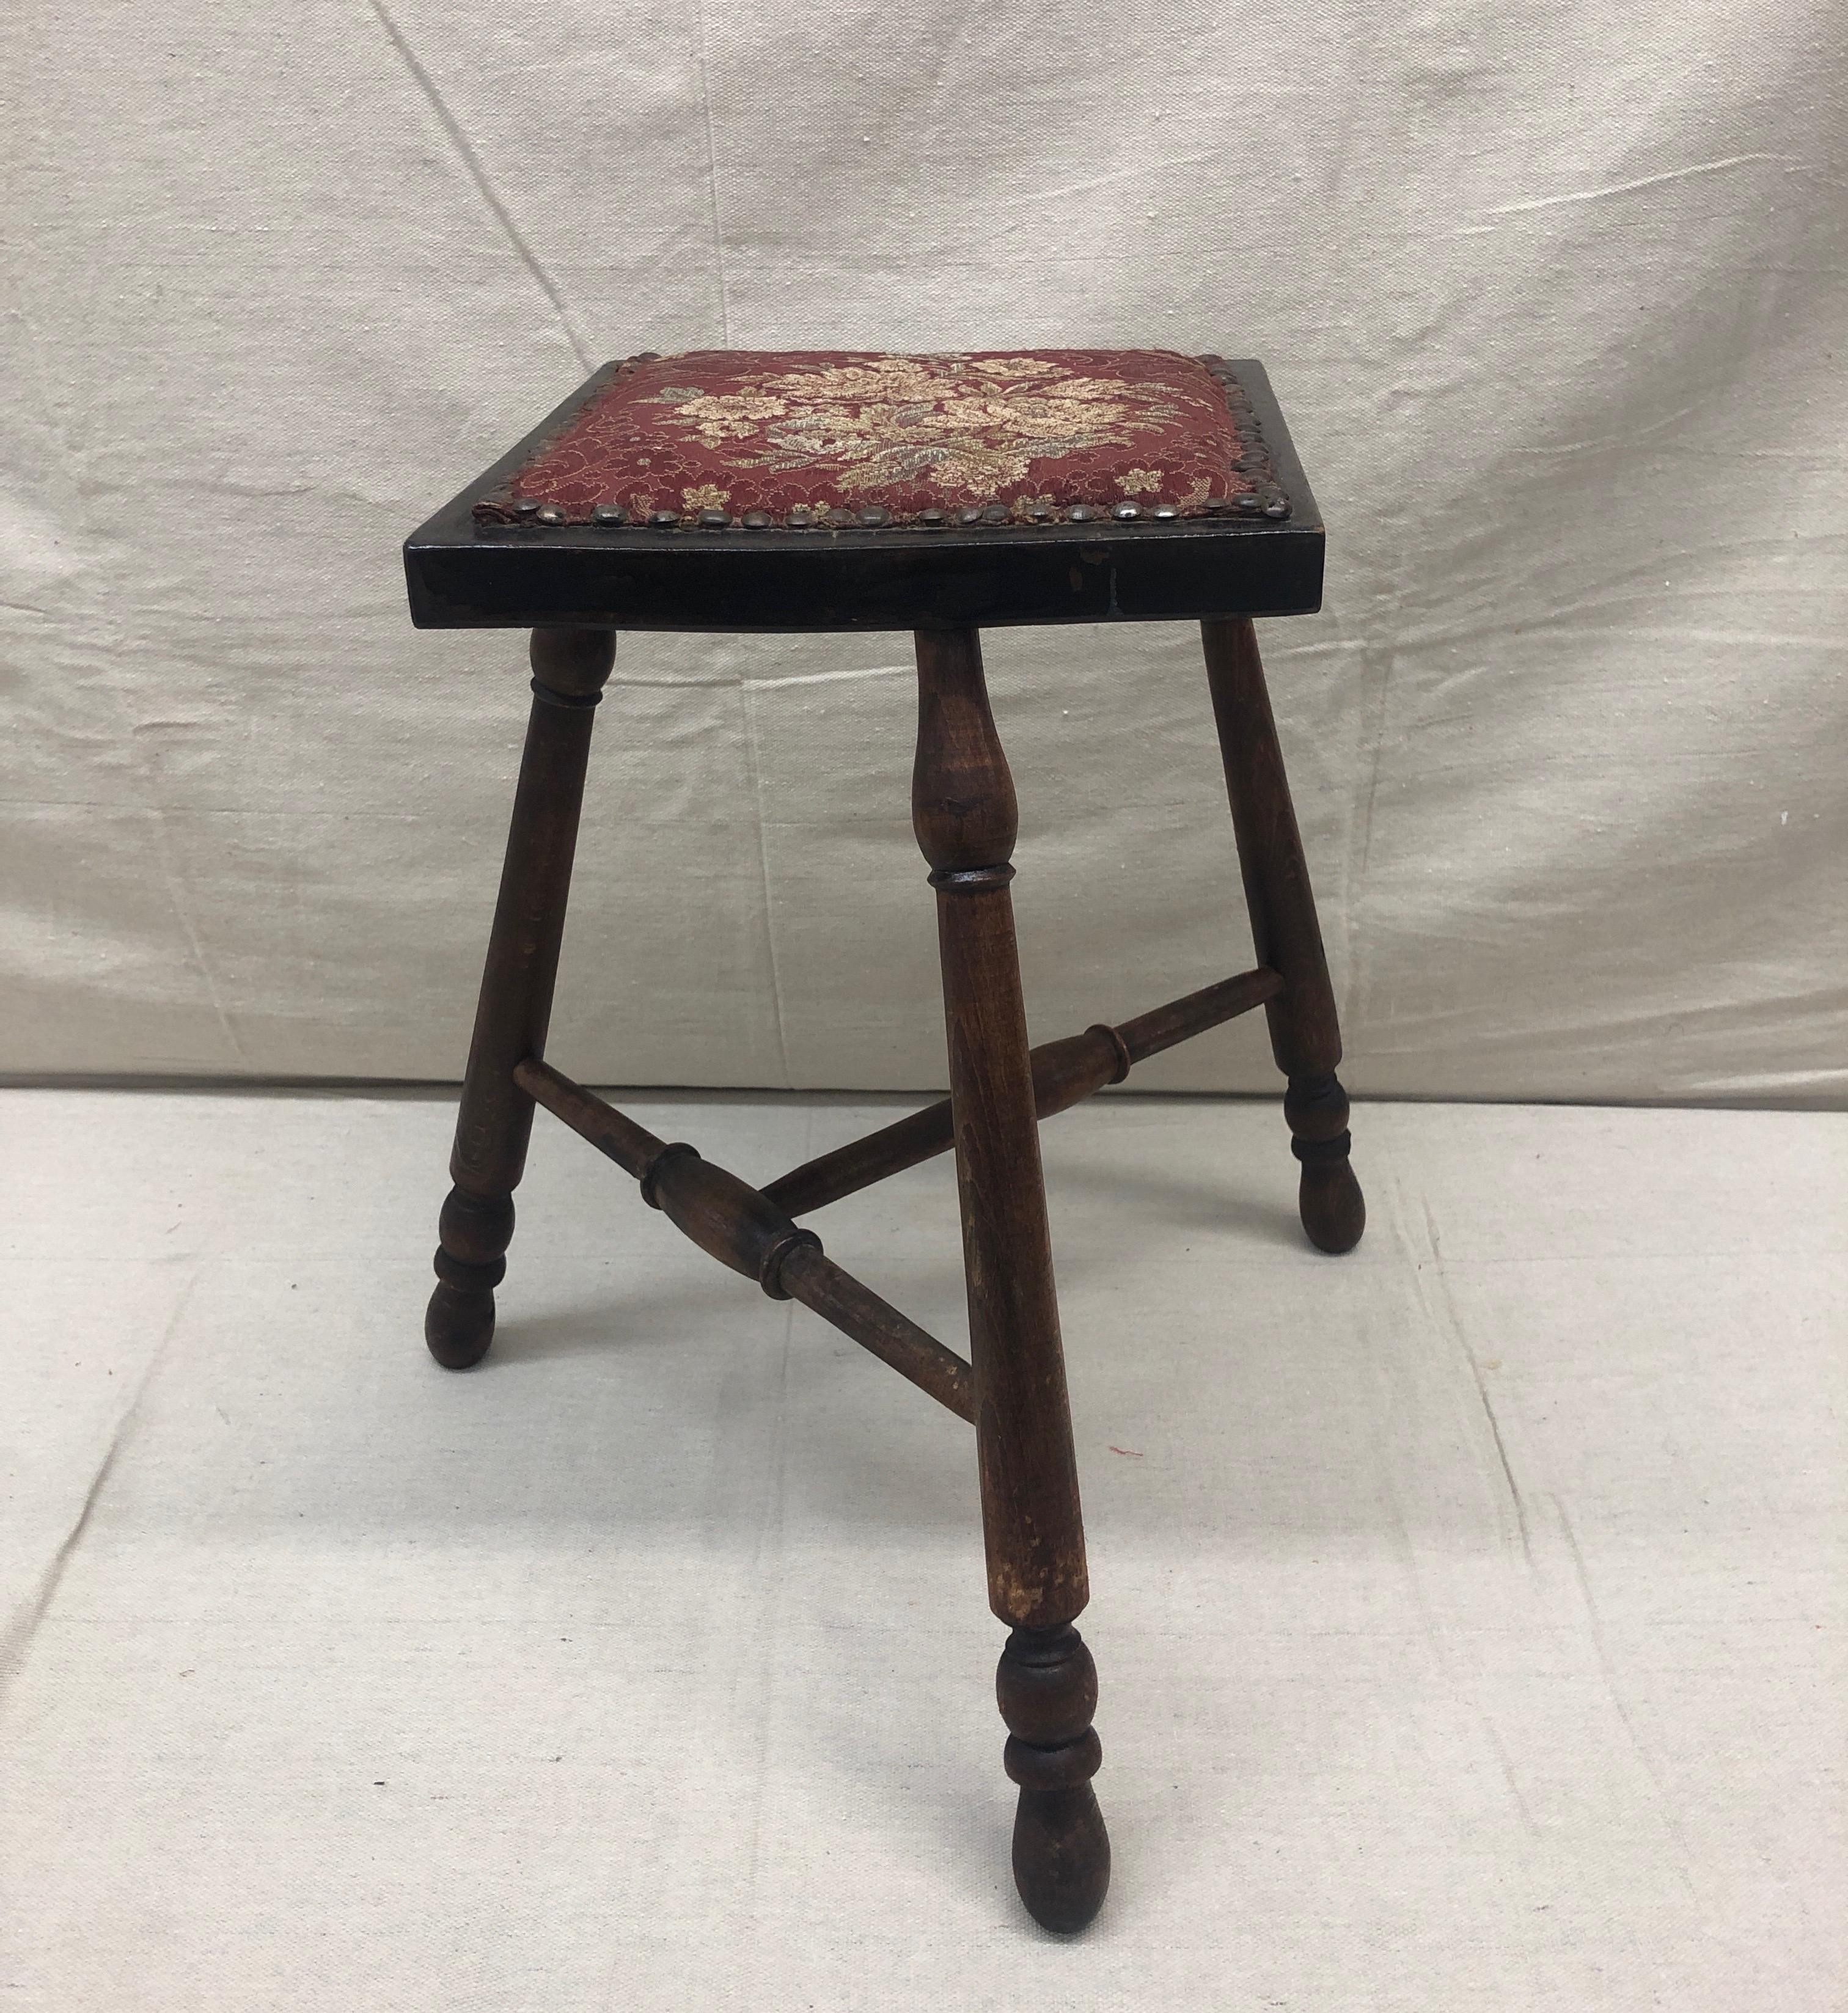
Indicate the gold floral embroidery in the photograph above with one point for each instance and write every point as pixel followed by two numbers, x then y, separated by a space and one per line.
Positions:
pixel 974 425
pixel 832 431
pixel 718 419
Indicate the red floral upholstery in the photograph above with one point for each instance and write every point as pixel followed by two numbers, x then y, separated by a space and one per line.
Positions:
pixel 775 431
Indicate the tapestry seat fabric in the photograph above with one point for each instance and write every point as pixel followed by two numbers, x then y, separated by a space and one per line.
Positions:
pixel 796 436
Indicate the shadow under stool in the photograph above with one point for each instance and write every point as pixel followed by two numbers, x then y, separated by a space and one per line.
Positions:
pixel 817 491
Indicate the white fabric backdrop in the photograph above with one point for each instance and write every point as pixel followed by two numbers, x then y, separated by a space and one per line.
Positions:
pixel 1552 295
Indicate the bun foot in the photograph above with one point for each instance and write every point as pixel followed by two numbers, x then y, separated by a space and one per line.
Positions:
pixel 1333 1209
pixel 1061 1856
pixel 476 1230
pixel 459 1324
pixel 1328 1198
pixel 1047 1689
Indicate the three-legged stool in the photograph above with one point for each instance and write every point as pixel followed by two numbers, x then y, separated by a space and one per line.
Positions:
pixel 815 491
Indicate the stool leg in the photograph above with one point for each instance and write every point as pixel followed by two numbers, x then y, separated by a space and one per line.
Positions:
pixel 1305 1037
pixel 963 809
pixel 570 667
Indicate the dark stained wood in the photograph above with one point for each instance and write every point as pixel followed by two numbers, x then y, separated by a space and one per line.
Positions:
pixel 633 1147
pixel 728 1218
pixel 461 574
pixel 569 669
pixel 473 1232
pixel 573 587
pixel 1065 1073
pixel 1181 1020
pixel 1046 1686
pixel 1333 1209
pixel 743 1229
pixel 1305 1036
pixel 963 813
pixel 809 1275
pixel 918 1136
pixel 725 1217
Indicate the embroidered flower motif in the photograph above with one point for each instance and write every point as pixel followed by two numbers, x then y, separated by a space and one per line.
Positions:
pixel 717 420
pixel 739 430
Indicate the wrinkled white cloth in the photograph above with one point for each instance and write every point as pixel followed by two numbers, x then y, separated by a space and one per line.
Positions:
pixel 1555 304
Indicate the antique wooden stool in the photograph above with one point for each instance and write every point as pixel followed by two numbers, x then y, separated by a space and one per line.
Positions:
pixel 814 491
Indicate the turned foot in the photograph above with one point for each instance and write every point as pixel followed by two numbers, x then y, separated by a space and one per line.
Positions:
pixel 476 1231
pixel 1333 1209
pixel 1047 1687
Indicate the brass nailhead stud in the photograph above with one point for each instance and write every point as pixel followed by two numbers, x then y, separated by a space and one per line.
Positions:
pixel 1248 506
pixel 664 520
pixel 873 516
pixel 1081 513
pixel 1127 513
pixel 1165 511
pixel 550 514
pixel 714 520
pixel 755 520
pixel 1278 507
pixel 971 515
pixel 996 514
pixel 1039 513
pixel 931 520
pixel 801 518
pixel 609 515
pixel 527 507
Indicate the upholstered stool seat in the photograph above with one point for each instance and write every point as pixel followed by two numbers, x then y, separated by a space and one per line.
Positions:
pixel 763 438
pixel 729 490
pixel 737 490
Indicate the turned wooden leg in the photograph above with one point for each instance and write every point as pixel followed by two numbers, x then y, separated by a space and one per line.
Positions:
pixel 963 809
pixel 1305 1037
pixel 569 668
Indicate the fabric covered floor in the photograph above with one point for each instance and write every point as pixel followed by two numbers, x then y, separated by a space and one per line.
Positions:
pixel 1464 1608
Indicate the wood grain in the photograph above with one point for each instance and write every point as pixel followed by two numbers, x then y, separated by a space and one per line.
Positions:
pixel 514 1009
